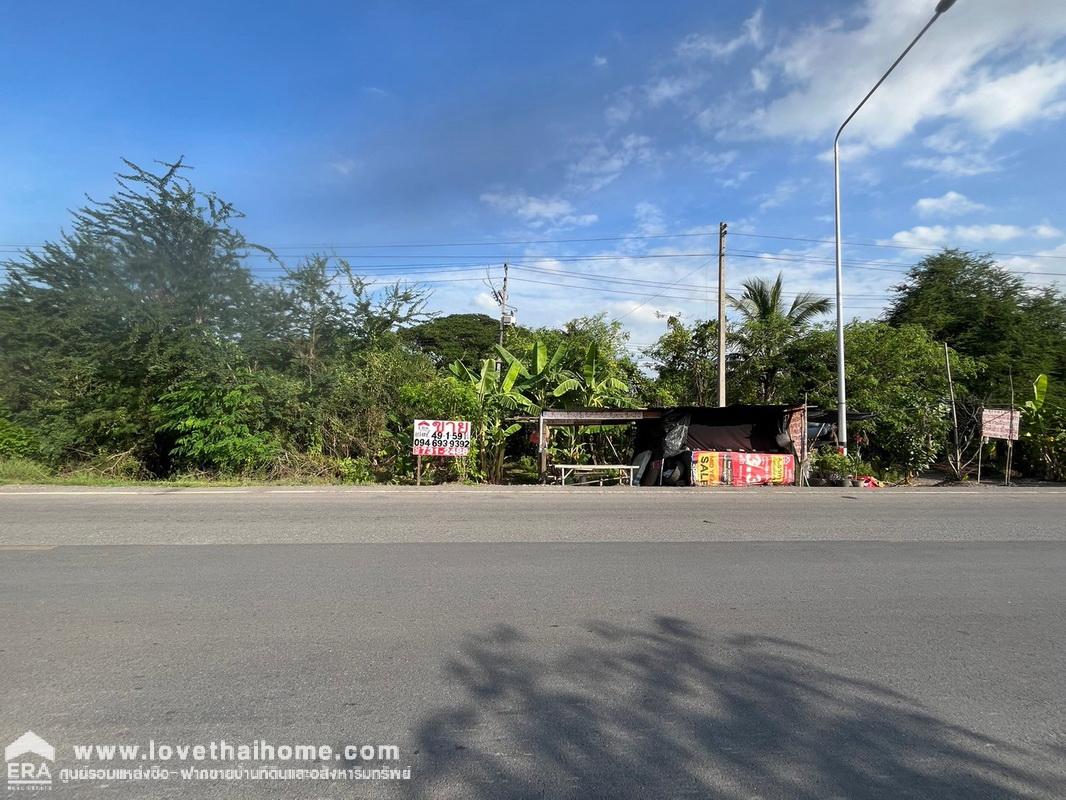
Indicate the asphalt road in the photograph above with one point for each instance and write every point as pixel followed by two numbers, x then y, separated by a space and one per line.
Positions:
pixel 529 644
pixel 523 514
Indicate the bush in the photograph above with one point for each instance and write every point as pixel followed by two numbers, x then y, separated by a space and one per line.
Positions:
pixel 354 470
pixel 15 441
pixel 217 427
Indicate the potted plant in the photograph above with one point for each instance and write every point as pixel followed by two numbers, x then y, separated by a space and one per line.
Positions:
pixel 832 467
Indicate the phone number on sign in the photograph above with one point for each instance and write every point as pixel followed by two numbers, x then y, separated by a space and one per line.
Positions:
pixel 440 450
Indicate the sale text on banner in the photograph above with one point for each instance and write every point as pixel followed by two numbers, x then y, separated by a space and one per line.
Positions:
pixel 711 468
pixel 441 437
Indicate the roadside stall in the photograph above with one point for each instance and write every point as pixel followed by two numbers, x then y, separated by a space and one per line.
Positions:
pixel 740 445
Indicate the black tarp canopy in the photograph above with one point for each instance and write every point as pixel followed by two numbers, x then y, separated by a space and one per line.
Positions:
pixel 753 429
pixel 660 442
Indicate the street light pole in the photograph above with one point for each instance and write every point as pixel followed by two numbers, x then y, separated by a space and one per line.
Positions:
pixel 842 395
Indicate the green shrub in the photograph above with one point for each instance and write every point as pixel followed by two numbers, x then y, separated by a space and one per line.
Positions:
pixel 354 470
pixel 15 441
pixel 217 427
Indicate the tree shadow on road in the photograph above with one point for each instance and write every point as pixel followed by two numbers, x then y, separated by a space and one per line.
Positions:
pixel 664 711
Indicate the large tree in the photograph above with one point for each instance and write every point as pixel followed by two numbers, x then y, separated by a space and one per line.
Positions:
pixel 95 326
pixel 896 373
pixel 685 359
pixel 983 311
pixel 456 337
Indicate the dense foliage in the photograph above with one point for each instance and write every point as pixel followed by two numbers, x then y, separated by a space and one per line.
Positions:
pixel 141 344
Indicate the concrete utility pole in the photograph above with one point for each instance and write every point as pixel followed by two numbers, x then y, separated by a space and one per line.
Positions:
pixel 504 312
pixel 842 395
pixel 723 229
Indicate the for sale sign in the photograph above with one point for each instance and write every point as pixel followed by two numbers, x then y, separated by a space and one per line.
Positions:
pixel 1000 423
pixel 441 437
pixel 711 467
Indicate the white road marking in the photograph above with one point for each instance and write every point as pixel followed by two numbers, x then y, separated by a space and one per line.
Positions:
pixel 664 493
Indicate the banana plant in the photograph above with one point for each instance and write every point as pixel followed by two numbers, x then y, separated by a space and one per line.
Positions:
pixel 1044 431
pixel 594 387
pixel 538 380
pixel 497 398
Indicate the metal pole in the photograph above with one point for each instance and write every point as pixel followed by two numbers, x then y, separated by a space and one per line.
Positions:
pixel 542 447
pixel 1010 428
pixel 842 401
pixel 954 415
pixel 842 392
pixel 723 229
pixel 980 452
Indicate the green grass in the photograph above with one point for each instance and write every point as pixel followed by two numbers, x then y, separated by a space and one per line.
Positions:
pixel 23 471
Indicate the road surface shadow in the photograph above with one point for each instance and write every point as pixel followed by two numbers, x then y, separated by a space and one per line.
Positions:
pixel 664 711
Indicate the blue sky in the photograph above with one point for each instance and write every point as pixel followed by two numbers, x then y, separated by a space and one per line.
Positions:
pixel 333 125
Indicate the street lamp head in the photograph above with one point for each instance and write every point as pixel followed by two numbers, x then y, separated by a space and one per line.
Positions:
pixel 944 5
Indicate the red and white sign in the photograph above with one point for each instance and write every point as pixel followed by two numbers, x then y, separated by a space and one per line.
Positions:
pixel 712 467
pixel 1000 423
pixel 441 437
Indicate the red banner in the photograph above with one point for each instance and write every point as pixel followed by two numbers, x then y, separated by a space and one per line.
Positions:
pixel 711 468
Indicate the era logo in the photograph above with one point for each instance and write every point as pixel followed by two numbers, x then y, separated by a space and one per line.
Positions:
pixel 23 770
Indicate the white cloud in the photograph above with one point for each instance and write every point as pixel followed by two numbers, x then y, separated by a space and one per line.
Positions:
pixel 714 160
pixel 649 218
pixel 760 79
pixel 652 313
pixel 949 139
pixel 344 166
pixel 779 195
pixel 956 154
pixel 602 164
pixel 829 68
pixel 1046 262
pixel 700 46
pixel 538 211
pixel 949 204
pixel 672 87
pixel 619 112
pixel 1045 231
pixel 1011 100
pixel 960 166
pixel 485 301
pixel 941 235
pixel 600 61
pixel 736 180
pixel 988 233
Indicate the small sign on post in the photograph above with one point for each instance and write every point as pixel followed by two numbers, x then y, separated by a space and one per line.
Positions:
pixel 1000 423
pixel 449 438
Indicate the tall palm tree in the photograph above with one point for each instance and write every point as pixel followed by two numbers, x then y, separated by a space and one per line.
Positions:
pixel 762 301
pixel 769 326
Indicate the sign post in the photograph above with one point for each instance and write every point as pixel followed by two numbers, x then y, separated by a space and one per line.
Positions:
pixel 1000 423
pixel 439 437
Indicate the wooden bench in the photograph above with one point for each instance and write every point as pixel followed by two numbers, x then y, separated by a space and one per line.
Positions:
pixel 625 477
